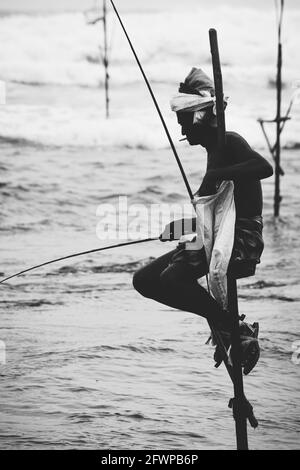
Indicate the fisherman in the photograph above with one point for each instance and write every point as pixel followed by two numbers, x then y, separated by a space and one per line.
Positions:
pixel 172 279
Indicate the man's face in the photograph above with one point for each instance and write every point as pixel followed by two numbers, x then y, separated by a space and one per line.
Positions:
pixel 195 133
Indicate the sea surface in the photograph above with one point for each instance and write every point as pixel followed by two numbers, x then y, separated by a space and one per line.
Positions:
pixel 89 362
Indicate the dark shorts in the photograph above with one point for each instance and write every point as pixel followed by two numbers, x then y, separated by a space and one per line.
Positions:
pixel 247 250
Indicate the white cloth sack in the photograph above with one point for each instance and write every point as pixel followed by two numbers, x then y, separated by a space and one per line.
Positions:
pixel 216 217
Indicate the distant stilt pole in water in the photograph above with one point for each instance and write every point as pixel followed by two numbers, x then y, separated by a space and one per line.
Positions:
pixel 106 59
pixel 277 196
pixel 279 120
pixel 239 403
pixel 93 17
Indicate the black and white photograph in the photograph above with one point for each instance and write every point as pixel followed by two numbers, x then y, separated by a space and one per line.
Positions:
pixel 149 228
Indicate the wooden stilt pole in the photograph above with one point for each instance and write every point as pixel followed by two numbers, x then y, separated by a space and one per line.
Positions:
pixel 104 53
pixel 239 400
pixel 277 196
pixel 106 59
pixel 216 63
pixel 279 120
pixel 238 403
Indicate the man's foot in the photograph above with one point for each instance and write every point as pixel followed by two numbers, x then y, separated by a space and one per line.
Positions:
pixel 250 354
pixel 249 346
pixel 249 330
pixel 218 354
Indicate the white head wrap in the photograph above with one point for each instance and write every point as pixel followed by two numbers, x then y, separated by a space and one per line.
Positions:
pixel 187 103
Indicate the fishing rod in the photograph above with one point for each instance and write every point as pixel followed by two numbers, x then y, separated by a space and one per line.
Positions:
pixel 155 104
pixel 222 127
pixel 96 250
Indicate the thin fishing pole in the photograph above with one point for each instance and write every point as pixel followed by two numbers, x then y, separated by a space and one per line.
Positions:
pixel 155 103
pixel 158 110
pixel 76 255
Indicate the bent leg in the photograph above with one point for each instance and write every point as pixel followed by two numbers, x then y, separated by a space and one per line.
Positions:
pixel 181 279
pixel 175 285
pixel 147 279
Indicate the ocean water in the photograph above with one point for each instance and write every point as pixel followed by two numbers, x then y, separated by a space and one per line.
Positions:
pixel 90 363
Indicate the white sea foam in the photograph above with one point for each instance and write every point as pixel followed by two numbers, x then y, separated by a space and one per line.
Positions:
pixel 67 127
pixel 61 50
pixel 54 48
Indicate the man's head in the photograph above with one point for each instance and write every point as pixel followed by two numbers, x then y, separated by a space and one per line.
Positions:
pixel 195 108
pixel 199 133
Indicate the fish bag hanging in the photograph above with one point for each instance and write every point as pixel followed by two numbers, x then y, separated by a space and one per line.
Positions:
pixel 216 216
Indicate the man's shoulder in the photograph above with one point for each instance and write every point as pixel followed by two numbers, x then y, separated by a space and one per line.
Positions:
pixel 236 143
pixel 234 137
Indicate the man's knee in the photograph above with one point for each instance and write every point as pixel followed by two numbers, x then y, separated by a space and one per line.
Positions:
pixel 142 284
pixel 169 278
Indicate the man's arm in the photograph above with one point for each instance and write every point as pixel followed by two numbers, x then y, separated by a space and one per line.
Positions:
pixel 248 163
